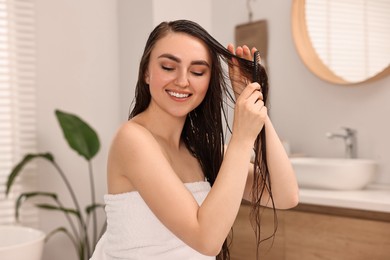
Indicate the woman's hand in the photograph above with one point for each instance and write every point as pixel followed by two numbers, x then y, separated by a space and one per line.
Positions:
pixel 238 79
pixel 250 114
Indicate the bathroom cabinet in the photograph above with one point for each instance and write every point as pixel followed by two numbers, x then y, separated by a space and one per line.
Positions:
pixel 310 232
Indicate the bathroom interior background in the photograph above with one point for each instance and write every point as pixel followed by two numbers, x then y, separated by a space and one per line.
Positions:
pixel 88 55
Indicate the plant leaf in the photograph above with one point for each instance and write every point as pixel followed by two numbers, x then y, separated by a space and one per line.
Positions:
pixel 65 210
pixel 92 207
pixel 27 195
pixel 17 169
pixel 79 135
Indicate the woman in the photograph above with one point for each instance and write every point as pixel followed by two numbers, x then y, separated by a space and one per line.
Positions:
pixel 174 191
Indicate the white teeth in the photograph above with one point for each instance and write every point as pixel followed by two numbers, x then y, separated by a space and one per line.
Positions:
pixel 178 95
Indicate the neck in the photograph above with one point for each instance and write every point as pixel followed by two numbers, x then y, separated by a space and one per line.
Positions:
pixel 162 125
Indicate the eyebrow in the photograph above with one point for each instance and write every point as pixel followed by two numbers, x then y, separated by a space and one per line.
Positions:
pixel 178 60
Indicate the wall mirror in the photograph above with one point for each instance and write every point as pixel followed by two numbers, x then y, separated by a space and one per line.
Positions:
pixel 343 41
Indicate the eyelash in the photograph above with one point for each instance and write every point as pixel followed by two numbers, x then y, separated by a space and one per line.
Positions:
pixel 166 68
pixel 198 74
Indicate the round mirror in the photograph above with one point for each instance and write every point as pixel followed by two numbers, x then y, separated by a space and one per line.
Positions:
pixel 343 41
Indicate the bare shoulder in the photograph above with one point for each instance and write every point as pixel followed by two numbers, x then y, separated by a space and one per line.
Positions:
pixel 131 149
pixel 131 135
pixel 131 140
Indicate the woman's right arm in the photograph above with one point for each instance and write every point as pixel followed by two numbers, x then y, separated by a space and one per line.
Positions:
pixel 137 155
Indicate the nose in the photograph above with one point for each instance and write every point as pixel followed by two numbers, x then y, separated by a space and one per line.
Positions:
pixel 182 80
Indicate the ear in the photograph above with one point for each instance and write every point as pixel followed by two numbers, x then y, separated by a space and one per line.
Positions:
pixel 147 77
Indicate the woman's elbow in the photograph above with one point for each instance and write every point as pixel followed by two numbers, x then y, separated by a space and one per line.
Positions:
pixel 289 202
pixel 294 201
pixel 209 247
pixel 211 251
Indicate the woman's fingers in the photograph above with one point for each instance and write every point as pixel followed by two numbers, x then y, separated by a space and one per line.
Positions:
pixel 247 53
pixel 239 51
pixel 236 77
pixel 233 69
pixel 256 98
pixel 255 101
pixel 242 51
pixel 252 97
pixel 249 89
pixel 250 112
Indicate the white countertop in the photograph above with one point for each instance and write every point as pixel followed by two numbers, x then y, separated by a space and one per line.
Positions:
pixel 372 198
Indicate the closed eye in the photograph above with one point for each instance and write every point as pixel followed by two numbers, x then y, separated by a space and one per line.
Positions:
pixel 167 68
pixel 197 73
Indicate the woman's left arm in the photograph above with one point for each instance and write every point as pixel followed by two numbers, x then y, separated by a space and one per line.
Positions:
pixel 284 185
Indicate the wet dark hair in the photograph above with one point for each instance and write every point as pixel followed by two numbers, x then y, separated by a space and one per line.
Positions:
pixel 203 132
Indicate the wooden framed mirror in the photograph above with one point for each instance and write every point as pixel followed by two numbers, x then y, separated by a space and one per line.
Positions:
pixel 341 41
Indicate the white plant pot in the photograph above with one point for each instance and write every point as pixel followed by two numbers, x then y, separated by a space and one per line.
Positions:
pixel 20 243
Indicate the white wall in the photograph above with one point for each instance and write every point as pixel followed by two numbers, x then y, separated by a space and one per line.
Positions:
pixel 134 25
pixel 77 72
pixel 197 11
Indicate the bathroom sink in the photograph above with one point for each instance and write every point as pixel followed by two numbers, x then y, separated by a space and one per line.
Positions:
pixel 333 173
pixel 20 243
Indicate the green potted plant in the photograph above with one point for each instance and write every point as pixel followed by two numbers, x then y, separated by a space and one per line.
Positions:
pixel 84 140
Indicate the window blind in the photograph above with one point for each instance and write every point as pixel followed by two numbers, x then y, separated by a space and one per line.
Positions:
pixel 351 37
pixel 17 104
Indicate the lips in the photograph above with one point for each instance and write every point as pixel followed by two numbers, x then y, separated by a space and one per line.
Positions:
pixel 178 95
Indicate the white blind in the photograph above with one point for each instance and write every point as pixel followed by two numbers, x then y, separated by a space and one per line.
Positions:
pixel 17 104
pixel 351 37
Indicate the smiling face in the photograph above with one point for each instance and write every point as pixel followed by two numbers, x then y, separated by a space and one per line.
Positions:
pixel 178 74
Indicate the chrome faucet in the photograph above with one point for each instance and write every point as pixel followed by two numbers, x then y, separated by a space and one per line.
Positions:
pixel 350 141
